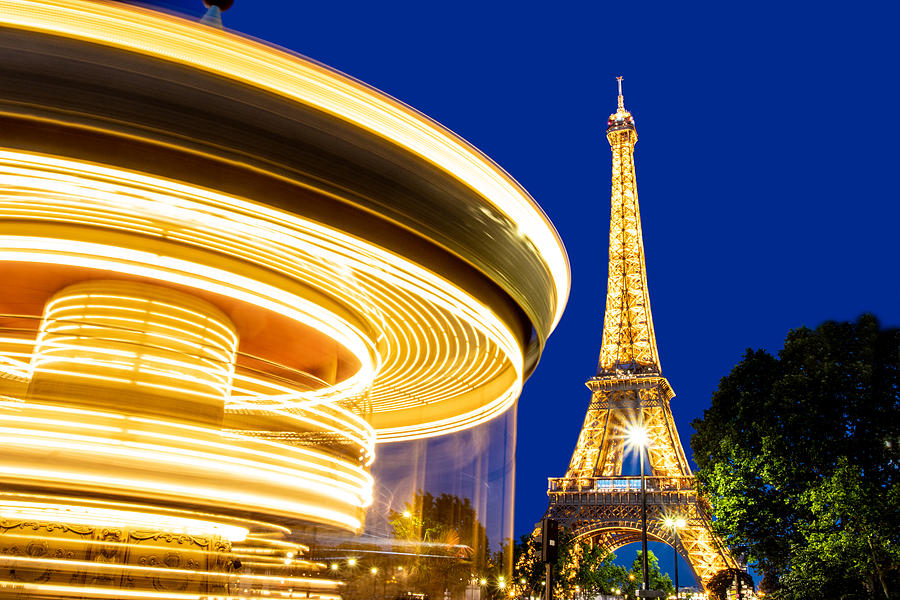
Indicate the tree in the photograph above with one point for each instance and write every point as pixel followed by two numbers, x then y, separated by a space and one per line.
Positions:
pixel 655 579
pixel 798 456
pixel 580 570
pixel 528 570
pixel 719 585
pixel 596 572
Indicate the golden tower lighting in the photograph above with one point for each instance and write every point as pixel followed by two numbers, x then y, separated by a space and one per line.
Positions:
pixel 630 405
pixel 226 273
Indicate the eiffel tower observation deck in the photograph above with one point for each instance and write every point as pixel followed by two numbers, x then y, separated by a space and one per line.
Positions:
pixel 595 500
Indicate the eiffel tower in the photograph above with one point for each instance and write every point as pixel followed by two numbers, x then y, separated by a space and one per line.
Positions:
pixel 594 500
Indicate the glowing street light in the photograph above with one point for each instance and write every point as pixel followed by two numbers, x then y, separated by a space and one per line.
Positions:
pixel 675 523
pixel 351 562
pixel 638 437
pixel 406 514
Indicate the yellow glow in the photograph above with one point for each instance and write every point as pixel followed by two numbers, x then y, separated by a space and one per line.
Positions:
pixel 675 523
pixel 65 591
pixel 636 436
pixel 146 264
pixel 247 473
pixel 427 325
pixel 629 388
pixel 142 343
pixel 244 578
pixel 105 517
pixel 294 77
pixel 413 352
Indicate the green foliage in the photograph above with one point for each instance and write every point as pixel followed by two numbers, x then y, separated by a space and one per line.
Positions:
pixel 798 456
pixel 596 572
pixel 528 570
pixel 580 570
pixel 655 579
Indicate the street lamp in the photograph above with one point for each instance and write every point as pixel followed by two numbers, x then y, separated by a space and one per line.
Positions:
pixel 675 523
pixel 637 437
pixel 374 572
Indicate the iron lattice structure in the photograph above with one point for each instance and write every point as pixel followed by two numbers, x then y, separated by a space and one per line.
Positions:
pixel 594 500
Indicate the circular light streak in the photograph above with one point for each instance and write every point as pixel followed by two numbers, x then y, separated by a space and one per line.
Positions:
pixel 109 517
pixel 305 81
pixel 138 458
pixel 141 340
pixel 402 323
pixel 415 354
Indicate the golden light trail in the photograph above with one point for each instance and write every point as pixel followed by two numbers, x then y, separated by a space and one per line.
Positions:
pixel 404 293
pixel 107 517
pixel 194 377
pixel 304 81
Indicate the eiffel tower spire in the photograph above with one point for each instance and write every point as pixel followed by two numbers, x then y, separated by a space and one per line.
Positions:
pixel 629 344
pixel 595 499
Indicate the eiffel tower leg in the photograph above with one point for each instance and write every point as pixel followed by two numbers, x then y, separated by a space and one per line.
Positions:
pixel 600 444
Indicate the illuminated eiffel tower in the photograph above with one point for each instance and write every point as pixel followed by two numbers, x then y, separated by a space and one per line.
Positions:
pixel 594 500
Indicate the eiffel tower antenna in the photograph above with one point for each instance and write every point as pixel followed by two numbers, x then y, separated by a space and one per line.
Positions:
pixel 595 500
pixel 621 97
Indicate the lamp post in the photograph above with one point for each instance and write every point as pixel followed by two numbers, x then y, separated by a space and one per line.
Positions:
pixel 374 572
pixel 637 436
pixel 675 524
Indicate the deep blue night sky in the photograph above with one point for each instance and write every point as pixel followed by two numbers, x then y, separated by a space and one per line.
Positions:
pixel 766 163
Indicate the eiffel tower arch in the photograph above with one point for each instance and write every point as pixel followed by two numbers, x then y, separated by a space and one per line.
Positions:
pixel 594 500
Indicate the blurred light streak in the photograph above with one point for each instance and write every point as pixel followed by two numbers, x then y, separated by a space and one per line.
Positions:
pixel 107 517
pixel 415 308
pixel 300 79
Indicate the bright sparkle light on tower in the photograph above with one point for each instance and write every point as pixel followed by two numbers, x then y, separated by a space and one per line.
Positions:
pixel 637 436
